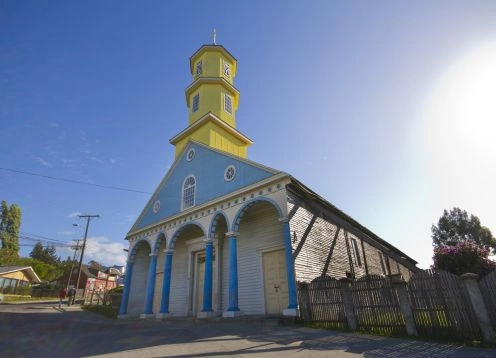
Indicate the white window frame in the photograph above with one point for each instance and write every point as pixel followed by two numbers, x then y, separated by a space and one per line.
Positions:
pixel 196 103
pixel 226 66
pixel 356 252
pixel 382 259
pixel 199 68
pixel 186 202
pixel 228 98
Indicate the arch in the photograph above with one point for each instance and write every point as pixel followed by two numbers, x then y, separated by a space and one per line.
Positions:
pixel 160 238
pixel 215 221
pixel 173 239
pixel 242 211
pixel 132 252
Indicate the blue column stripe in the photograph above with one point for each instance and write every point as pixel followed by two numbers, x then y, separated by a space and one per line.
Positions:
pixel 233 275
pixel 127 288
pixel 293 301
pixel 207 283
pixel 164 304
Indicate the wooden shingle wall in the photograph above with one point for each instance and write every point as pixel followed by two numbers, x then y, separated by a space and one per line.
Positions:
pixel 314 241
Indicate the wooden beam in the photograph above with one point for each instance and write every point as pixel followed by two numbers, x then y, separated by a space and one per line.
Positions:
pixel 365 259
pixel 304 237
pixel 333 243
pixel 293 211
pixel 346 240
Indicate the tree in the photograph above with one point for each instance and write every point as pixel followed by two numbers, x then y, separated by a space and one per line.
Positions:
pixel 10 221
pixel 456 226
pixel 463 257
pixel 45 254
pixel 37 252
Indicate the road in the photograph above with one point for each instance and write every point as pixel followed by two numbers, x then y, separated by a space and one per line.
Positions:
pixel 43 330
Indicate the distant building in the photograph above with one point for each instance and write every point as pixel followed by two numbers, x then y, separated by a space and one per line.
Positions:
pixel 14 277
pixel 223 235
pixel 93 278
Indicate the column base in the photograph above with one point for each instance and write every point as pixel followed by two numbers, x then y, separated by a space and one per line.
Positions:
pixel 147 315
pixel 291 312
pixel 123 316
pixel 208 314
pixel 231 314
pixel 163 315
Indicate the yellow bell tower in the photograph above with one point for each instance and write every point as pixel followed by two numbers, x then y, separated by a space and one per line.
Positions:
pixel 212 101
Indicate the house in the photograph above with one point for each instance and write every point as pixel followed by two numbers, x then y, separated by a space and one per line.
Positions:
pixel 14 277
pixel 93 278
pixel 226 236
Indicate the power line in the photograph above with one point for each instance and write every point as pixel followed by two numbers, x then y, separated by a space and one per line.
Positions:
pixel 73 181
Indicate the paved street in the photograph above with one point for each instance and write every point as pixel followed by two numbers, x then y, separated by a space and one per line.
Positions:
pixel 42 330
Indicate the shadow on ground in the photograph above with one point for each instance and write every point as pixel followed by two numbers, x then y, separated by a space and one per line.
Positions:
pixel 45 332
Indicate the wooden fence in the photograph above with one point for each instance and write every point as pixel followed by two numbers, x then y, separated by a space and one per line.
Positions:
pixel 441 306
pixel 376 306
pixel 432 304
pixel 488 291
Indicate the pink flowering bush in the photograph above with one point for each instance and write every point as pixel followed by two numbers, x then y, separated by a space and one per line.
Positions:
pixel 463 257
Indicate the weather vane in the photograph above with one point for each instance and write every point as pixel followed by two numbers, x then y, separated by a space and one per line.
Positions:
pixel 214 35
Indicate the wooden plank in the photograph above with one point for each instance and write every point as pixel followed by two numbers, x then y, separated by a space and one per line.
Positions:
pixel 304 237
pixel 333 244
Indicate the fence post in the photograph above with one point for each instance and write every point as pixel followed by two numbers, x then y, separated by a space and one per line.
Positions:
pixel 348 303
pixel 470 282
pixel 400 286
pixel 305 307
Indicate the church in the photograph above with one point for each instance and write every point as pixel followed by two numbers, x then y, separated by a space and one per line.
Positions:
pixel 223 236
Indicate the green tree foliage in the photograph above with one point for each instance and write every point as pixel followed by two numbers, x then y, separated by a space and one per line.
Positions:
pixel 45 254
pixel 463 257
pixel 45 271
pixel 456 226
pixel 37 252
pixel 10 222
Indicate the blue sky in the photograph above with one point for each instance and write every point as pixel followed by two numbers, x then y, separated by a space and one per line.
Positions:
pixel 384 108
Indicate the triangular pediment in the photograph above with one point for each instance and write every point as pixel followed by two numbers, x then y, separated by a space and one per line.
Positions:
pixel 208 167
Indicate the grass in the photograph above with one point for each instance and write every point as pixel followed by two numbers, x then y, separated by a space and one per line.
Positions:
pixel 106 311
pixel 25 298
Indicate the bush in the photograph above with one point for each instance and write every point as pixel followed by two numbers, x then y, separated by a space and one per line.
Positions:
pixel 106 311
pixel 463 257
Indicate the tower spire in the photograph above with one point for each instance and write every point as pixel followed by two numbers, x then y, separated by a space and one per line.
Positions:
pixel 214 35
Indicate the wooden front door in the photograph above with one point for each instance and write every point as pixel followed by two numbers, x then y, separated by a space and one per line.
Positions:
pixel 200 279
pixel 275 282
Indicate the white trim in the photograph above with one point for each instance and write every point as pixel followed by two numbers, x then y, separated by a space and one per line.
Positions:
pixel 228 98
pixel 183 207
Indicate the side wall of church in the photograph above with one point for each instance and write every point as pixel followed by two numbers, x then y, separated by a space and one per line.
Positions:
pixel 314 237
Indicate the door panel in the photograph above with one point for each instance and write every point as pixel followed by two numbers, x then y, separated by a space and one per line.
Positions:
pixel 275 282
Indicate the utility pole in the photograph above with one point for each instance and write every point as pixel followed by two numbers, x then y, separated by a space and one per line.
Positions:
pixel 88 218
pixel 72 266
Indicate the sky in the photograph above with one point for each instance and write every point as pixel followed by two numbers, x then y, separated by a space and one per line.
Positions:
pixel 387 109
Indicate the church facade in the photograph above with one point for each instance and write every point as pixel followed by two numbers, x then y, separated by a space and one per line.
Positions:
pixel 225 236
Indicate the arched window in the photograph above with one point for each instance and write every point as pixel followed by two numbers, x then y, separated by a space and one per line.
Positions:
pixel 189 188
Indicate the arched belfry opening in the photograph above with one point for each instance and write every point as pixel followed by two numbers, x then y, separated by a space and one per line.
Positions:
pixel 139 279
pixel 263 287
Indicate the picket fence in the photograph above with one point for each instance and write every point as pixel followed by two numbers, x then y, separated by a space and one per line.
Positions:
pixel 436 303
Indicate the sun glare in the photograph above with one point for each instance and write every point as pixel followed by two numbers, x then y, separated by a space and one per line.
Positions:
pixel 465 101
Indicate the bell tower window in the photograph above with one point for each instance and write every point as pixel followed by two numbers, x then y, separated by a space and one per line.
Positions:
pixel 189 188
pixel 198 71
pixel 227 103
pixel 227 69
pixel 196 102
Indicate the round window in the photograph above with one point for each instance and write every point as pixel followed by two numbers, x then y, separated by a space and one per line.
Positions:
pixel 190 155
pixel 230 173
pixel 156 206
